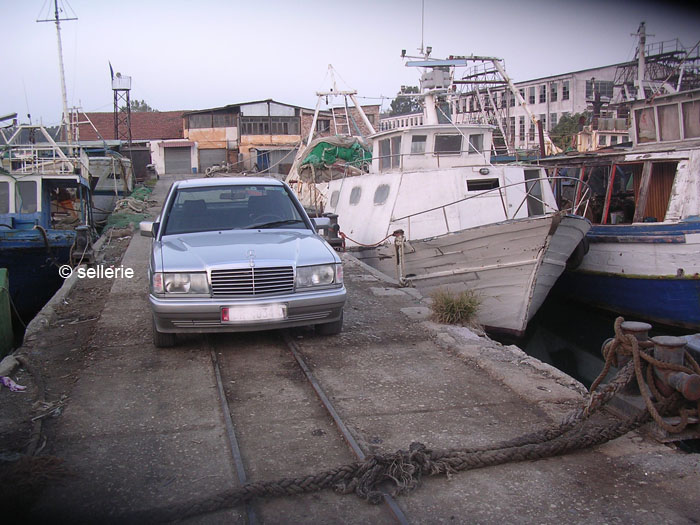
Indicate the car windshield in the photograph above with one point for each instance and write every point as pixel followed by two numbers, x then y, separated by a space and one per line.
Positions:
pixel 233 207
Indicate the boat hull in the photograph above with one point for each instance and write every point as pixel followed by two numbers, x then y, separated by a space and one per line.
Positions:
pixel 511 265
pixel 649 272
pixel 33 268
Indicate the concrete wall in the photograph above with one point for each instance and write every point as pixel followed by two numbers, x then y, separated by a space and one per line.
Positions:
pixel 214 138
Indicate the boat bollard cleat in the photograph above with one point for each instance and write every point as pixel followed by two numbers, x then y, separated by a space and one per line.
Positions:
pixel 669 349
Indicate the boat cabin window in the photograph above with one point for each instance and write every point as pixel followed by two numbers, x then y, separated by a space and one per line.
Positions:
pixel 355 195
pixel 418 144
pixel 481 184
pixel 691 119
pixel 381 194
pixel 669 123
pixel 334 198
pixel 390 153
pixel 4 197
pixel 646 125
pixel 25 196
pixel 448 144
pixel 476 143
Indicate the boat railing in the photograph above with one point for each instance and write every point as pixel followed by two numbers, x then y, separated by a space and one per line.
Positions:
pixel 37 159
pixel 484 156
pixel 577 205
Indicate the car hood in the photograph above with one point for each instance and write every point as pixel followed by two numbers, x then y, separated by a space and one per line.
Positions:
pixel 232 248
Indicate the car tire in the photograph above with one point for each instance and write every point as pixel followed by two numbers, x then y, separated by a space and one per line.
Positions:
pixel 333 328
pixel 162 339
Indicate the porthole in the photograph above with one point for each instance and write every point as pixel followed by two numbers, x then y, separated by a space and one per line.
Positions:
pixel 334 198
pixel 381 194
pixel 355 195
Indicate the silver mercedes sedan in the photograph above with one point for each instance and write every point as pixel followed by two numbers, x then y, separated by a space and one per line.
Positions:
pixel 240 254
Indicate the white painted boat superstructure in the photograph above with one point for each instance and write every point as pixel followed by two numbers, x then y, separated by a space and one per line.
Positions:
pixel 494 229
pixel 467 224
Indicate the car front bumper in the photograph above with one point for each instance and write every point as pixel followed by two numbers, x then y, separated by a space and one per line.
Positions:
pixel 203 315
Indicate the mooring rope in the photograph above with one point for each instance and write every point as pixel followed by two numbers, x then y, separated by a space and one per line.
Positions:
pixel 403 470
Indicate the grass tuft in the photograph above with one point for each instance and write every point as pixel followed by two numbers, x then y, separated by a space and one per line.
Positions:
pixel 455 308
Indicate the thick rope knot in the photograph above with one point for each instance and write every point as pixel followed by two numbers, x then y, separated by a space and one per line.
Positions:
pixel 394 473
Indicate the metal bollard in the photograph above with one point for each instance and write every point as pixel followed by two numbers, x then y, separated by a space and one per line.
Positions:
pixel 671 349
pixel 332 232
pixel 639 330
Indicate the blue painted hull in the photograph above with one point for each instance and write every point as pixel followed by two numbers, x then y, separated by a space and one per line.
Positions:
pixel 642 271
pixel 672 302
pixel 33 270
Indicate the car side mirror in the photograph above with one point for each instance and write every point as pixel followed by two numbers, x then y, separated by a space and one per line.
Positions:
pixel 148 228
pixel 321 223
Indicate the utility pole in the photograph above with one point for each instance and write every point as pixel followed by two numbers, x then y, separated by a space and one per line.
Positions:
pixel 65 120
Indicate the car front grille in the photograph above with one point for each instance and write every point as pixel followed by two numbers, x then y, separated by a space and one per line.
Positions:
pixel 252 281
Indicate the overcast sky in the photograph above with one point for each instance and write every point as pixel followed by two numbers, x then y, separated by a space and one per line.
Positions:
pixel 208 53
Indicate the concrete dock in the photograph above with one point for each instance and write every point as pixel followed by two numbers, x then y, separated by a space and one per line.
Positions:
pixel 141 428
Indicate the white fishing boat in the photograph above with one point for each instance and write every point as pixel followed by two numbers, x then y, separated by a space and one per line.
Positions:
pixel 432 209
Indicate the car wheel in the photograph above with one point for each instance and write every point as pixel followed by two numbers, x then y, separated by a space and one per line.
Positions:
pixel 333 328
pixel 162 339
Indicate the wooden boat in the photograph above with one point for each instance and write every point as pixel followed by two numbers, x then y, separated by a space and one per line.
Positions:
pixel 643 259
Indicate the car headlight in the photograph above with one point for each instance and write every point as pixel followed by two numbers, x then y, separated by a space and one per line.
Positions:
pixel 320 275
pixel 180 283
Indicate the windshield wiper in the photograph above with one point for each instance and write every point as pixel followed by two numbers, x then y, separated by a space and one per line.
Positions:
pixel 274 223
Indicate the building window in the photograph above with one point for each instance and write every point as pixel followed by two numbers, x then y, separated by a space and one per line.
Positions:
pixel 448 144
pixel 522 93
pixel 511 129
pixel 532 131
pixel 601 140
pixel 269 125
pixel 604 87
pixel 476 143
pixel 543 120
pixel 543 93
pixel 565 90
pixel 223 120
pixel 201 120
pixel 255 126
pixel 418 144
pixel 552 120
pixel 553 92
pixel 613 139
pixel 323 125
pixel 531 95
pixel 521 130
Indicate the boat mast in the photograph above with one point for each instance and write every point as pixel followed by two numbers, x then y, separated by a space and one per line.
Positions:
pixel 65 120
pixel 641 66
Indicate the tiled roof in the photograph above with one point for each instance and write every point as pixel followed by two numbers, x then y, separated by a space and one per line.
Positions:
pixel 145 125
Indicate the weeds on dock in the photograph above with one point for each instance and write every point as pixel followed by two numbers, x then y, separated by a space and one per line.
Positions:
pixel 455 308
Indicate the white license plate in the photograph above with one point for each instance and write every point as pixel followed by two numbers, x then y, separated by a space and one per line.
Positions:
pixel 243 314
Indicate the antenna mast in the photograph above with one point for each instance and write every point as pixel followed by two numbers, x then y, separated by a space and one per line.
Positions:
pixel 65 120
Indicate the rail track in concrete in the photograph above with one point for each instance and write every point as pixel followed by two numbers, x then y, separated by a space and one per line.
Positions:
pixel 273 406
